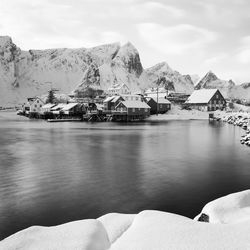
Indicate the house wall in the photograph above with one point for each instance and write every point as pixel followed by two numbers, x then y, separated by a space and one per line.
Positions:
pixel 133 111
pixel 217 102
pixel 36 106
pixel 162 107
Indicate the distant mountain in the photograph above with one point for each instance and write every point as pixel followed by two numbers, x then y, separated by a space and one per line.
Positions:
pixel 28 73
pixel 162 75
pixel 211 81
pixel 241 92
pixel 195 78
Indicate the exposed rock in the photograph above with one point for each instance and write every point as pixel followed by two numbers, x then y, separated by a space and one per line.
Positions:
pixel 162 74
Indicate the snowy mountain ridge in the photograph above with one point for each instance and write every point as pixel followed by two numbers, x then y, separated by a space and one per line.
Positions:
pixel 29 73
pixel 228 88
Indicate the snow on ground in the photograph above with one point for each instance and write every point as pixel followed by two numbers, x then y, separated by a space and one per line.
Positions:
pixel 153 230
pixel 116 224
pixel 176 113
pixel 148 230
pixel 228 209
pixel 82 235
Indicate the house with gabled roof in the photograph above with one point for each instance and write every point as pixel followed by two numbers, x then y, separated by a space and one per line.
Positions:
pixel 131 110
pixel 206 100
pixel 119 89
pixel 33 105
pixel 160 105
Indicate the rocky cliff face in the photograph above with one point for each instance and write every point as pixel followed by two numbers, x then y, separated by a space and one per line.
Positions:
pixel 228 88
pixel 28 73
pixel 162 75
pixel 34 72
pixel 211 81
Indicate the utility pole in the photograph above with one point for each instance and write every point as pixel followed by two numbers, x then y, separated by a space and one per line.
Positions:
pixel 157 89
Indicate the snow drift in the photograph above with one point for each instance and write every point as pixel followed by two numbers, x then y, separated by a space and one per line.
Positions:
pixel 148 230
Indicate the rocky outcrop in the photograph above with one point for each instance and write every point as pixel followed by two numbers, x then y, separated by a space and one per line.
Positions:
pixel 34 72
pixel 211 81
pixel 162 75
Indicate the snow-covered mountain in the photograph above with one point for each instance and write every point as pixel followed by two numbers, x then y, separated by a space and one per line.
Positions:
pixel 161 74
pixel 211 81
pixel 28 73
pixel 228 88
pixel 241 92
pixel 34 72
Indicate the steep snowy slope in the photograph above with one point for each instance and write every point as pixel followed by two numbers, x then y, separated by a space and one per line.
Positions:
pixel 33 72
pixel 27 73
pixel 241 91
pixel 211 81
pixel 161 74
pixel 125 67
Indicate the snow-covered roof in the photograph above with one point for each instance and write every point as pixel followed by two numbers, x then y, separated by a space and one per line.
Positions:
pixel 48 106
pixel 154 90
pixel 116 98
pixel 135 104
pixel 118 86
pixel 69 106
pixel 59 106
pixel 162 100
pixel 201 96
pixel 108 99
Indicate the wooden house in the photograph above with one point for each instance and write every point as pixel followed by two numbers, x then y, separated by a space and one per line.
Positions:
pixel 131 110
pixel 206 100
pixel 33 105
pixel 111 102
pixel 132 97
pixel 47 108
pixel 73 109
pixel 160 106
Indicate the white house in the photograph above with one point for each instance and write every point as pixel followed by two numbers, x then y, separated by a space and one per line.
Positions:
pixel 119 90
pixel 131 97
pixel 34 104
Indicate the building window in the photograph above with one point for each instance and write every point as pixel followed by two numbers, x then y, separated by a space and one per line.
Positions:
pixel 146 110
pixel 35 105
pixel 217 96
pixel 133 110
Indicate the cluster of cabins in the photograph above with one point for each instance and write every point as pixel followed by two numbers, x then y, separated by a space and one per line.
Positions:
pixel 121 105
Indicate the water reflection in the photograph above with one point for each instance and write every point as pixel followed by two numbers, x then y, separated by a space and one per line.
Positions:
pixel 54 173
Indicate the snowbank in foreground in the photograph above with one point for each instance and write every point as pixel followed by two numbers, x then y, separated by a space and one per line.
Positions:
pixel 228 209
pixel 148 230
pixel 153 230
pixel 84 234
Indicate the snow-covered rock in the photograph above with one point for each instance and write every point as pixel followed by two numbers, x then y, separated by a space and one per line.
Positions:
pixel 116 224
pixel 82 235
pixel 159 230
pixel 148 230
pixel 228 209
pixel 211 81
pixel 30 73
pixel 162 75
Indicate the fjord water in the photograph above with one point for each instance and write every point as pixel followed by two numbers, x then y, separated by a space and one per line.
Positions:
pixel 51 173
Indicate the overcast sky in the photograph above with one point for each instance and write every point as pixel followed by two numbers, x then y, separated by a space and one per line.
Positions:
pixel 193 36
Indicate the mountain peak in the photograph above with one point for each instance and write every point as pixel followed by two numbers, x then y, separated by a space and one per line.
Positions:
pixel 128 56
pixel 5 40
pixel 211 76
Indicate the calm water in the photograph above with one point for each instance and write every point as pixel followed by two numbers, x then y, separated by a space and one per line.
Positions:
pixel 54 173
